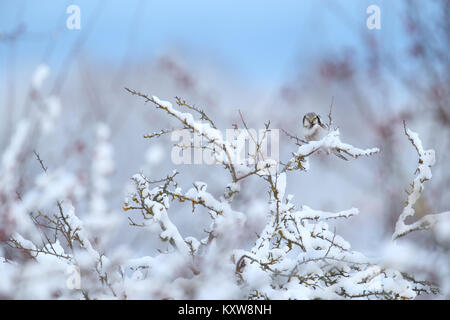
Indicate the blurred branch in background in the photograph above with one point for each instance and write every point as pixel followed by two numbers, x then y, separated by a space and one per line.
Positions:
pixel 68 104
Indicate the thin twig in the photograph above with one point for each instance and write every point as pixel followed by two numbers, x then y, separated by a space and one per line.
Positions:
pixel 330 119
pixel 40 161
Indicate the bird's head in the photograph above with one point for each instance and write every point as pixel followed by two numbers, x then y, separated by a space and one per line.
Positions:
pixel 310 120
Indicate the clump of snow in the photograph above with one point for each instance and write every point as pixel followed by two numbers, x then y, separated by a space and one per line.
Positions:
pixel 40 74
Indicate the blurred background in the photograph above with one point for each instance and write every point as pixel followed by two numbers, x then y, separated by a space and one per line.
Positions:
pixel 273 61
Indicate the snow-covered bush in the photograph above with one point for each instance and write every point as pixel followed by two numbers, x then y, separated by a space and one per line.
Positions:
pixel 297 255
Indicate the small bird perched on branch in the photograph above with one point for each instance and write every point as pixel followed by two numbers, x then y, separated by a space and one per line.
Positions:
pixel 314 130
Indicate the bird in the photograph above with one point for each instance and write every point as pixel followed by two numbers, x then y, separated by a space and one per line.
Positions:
pixel 314 129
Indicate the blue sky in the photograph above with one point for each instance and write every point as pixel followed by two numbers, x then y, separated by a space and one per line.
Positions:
pixel 260 39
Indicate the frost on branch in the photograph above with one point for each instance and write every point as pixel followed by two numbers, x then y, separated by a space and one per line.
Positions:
pixel 296 255
pixel 423 174
pixel 331 143
pixel 68 247
pixel 301 258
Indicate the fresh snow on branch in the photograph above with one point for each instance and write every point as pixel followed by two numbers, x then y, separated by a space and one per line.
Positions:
pixel 331 143
pixel 423 174
pixel 295 253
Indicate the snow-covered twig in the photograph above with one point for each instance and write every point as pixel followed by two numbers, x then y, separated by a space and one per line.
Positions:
pixel 206 130
pixel 330 143
pixel 426 161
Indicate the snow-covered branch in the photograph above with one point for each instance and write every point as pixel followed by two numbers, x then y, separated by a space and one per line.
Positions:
pixel 423 174
pixel 296 253
pixel 331 143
